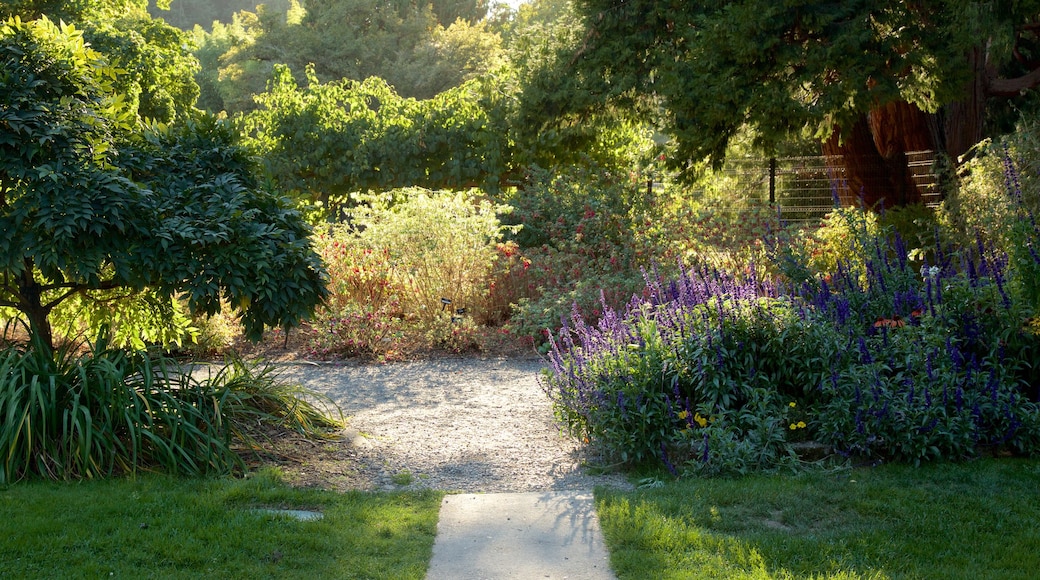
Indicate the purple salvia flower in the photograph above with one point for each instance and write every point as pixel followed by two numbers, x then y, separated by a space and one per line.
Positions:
pixel 864 352
pixel 938 288
pixel 667 463
pixel 931 425
pixel 901 252
pixel 1011 181
pixel 928 294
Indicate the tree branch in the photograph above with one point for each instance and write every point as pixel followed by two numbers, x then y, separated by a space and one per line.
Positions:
pixel 75 289
pixel 998 87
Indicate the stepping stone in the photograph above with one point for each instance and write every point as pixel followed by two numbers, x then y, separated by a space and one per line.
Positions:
pixel 525 536
pixel 301 515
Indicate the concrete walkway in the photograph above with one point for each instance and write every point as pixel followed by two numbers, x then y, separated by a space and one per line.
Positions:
pixel 525 536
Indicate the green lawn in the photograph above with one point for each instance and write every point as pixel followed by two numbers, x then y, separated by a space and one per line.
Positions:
pixel 158 526
pixel 979 520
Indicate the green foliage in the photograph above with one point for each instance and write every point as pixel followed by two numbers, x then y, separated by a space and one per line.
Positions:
pixel 74 11
pixel 134 320
pixel 255 397
pixel 328 140
pixel 220 233
pixel 91 202
pixel 186 14
pixel 997 204
pixel 339 40
pixel 580 231
pixel 786 69
pixel 544 122
pixel 105 413
pixel 214 88
pixel 394 263
pixel 845 236
pixel 110 411
pixel 158 70
pixel 153 64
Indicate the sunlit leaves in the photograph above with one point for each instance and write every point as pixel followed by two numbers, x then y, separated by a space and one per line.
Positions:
pixel 90 201
pixel 327 140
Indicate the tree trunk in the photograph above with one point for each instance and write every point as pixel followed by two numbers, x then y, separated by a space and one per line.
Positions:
pixel 962 120
pixel 30 298
pixel 871 163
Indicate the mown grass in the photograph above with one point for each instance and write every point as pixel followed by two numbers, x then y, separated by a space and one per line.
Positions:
pixel 160 526
pixel 973 520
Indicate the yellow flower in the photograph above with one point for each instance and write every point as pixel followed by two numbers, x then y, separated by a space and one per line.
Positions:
pixel 792 404
pixel 793 426
pixel 801 424
pixel 683 414
pixel 700 420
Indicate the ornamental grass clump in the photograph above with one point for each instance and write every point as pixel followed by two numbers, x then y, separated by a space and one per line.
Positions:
pixel 109 411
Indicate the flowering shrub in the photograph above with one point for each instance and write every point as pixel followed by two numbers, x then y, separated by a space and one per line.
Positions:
pixel 881 359
pixel 588 233
pixel 702 358
pixel 579 235
pixel 412 269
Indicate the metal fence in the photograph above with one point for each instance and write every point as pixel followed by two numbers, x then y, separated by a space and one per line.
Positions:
pixel 801 189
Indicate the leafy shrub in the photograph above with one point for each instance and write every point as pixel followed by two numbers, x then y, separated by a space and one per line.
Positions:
pixel 411 268
pixel 579 233
pixel 682 366
pixel 883 361
pixel 214 334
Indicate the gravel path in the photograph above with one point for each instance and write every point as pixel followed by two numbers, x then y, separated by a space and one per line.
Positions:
pixel 471 425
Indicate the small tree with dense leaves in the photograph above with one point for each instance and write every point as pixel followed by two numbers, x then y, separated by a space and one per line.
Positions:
pixel 91 200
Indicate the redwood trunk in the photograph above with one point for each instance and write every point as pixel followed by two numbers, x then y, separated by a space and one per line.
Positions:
pixel 871 163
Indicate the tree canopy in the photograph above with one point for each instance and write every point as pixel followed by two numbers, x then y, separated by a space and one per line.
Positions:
pixel 325 140
pixel 155 60
pixel 405 43
pixel 92 200
pixel 813 67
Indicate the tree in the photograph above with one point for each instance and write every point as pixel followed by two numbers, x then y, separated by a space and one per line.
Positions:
pixel 187 14
pixel 325 140
pixel 401 42
pixel 157 66
pixel 549 130
pixel 872 79
pixel 91 200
